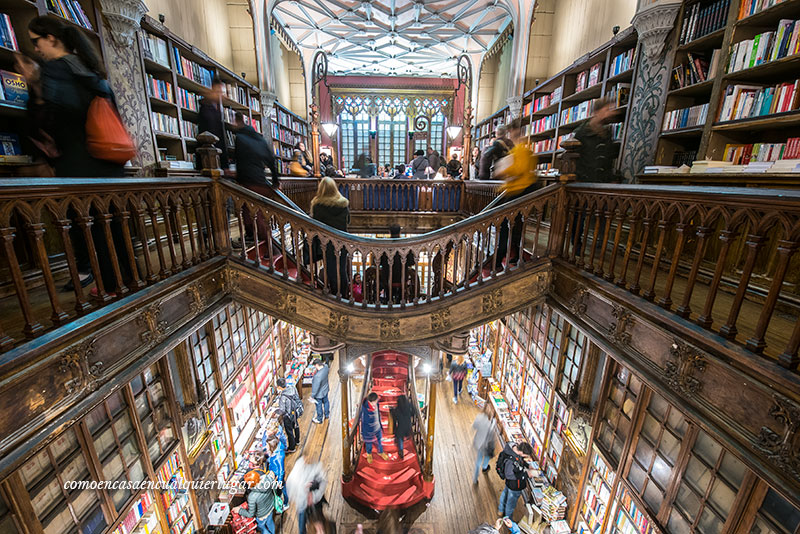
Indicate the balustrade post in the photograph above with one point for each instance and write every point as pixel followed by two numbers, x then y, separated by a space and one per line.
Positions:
pixel 32 326
pixel 754 243
pixel 786 250
pixel 666 301
pixel 80 301
pixel 209 162
pixel 788 357
pixel 347 468
pixel 35 232
pixel 705 319
pixel 427 472
pixel 685 310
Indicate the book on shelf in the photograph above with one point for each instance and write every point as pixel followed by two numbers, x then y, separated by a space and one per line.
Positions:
pixel 697 69
pixel 622 62
pixel 15 88
pixel 9 38
pixel 191 70
pixel 10 145
pixel 616 130
pixel 742 154
pixel 155 49
pixel 159 88
pixel 746 101
pixel 683 157
pixel 545 123
pixel 188 100
pixel 576 113
pixel 595 75
pixel 700 19
pixel 619 94
pixel 685 117
pixel 70 10
pixel 165 123
pixel 766 47
pixel 751 7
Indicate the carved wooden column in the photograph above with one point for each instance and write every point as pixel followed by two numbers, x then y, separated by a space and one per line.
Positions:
pixel 347 468
pixel 427 471
pixel 208 155
pixel 464 71
pixel 588 373
pixel 653 23
pixel 319 74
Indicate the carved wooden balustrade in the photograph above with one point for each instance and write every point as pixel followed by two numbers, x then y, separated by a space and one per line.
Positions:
pixel 395 273
pixel 140 231
pixel 440 196
pixel 723 258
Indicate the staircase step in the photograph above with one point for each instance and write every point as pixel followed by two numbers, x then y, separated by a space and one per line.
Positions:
pixel 398 499
pixel 374 478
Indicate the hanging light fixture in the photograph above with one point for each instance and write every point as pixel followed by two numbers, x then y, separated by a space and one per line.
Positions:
pixel 453 131
pixel 330 128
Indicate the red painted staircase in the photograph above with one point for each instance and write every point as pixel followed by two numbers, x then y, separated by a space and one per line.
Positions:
pixel 391 483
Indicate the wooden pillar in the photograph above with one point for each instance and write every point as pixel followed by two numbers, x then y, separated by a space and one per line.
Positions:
pixel 347 468
pixel 427 472
pixel 588 373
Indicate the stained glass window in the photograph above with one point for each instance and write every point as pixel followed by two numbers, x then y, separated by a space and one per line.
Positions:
pixel 391 138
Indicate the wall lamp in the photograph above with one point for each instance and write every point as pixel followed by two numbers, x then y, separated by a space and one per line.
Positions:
pixel 330 128
pixel 453 131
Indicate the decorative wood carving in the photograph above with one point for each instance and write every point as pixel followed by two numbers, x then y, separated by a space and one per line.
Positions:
pixel 493 301
pixel 75 360
pixel 230 281
pixel 156 331
pixel 287 303
pixel 440 321
pixel 339 323
pixel 198 300
pixel 783 448
pixel 679 373
pixel 577 303
pixel 390 329
pixel 618 331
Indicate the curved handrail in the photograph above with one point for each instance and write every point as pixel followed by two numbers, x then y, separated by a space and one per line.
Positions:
pixel 365 387
pixel 421 428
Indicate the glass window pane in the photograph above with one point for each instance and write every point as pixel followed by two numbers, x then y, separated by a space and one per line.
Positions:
pixel 688 501
pixel 697 475
pixel 137 384
pixel 709 523
pixel 115 403
pixel 661 471
pixel 780 511
pixel 123 426
pixel 637 476
pixel 650 428
pixel 96 418
pixel 707 448
pixel 64 445
pixel 677 524
pixel 722 497
pixel 653 497
pixel 732 470
pixel 670 447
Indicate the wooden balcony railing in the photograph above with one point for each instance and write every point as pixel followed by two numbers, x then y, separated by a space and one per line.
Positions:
pixel 440 196
pixel 723 258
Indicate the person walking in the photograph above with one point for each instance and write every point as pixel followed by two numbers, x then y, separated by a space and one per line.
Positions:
pixel 514 463
pixel 253 155
pixel 260 500
pixel 499 149
pixel 306 487
pixel 70 77
pixel 291 408
pixel 419 166
pixel 210 119
pixel 331 208
pixel 371 429
pixel 458 371
pixel 484 440
pixel 454 167
pixel 597 153
pixel 275 445
pixel 401 415
pixel 319 392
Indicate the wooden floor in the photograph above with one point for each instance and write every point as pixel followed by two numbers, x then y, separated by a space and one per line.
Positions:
pixel 457 506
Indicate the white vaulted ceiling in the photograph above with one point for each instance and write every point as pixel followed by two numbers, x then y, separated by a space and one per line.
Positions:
pixel 393 37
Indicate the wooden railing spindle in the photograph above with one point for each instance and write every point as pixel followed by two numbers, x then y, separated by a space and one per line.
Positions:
pixel 786 250
pixel 754 243
pixel 32 327
pixel 666 301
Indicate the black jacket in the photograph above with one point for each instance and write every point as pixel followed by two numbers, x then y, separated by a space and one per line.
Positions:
pixel 335 216
pixel 253 154
pixel 211 121
pixel 453 167
pixel 499 149
pixel 68 87
pixel 597 151
pixel 434 159
pixel 514 469
pixel 402 421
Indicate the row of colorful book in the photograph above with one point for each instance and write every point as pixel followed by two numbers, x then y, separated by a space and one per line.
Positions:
pixel 589 77
pixel 700 20
pixel 191 70
pixel 747 101
pixel 545 123
pixel 766 47
pixel 742 154
pixel 70 10
pixel 686 117
pixel 165 123
pixel 7 35
pixel 159 88
pixel 751 7
pixel 155 49
pixel 188 100
pixel 577 113
pixel 622 62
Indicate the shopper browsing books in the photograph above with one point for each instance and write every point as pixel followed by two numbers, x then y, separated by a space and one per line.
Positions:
pixel 515 466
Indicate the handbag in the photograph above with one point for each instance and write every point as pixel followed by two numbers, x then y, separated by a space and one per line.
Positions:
pixel 280 506
pixel 295 169
pixel 106 136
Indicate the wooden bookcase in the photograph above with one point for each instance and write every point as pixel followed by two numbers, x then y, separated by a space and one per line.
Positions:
pixel 484 129
pixel 287 129
pixel 708 139
pixel 184 75
pixel 552 110
pixel 20 13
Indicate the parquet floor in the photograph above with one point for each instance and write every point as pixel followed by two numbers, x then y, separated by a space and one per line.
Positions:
pixel 457 506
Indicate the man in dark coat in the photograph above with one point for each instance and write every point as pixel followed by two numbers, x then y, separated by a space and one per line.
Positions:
pixel 434 159
pixel 454 167
pixel 211 119
pixel 319 391
pixel 597 151
pixel 291 408
pixel 499 149
pixel 253 156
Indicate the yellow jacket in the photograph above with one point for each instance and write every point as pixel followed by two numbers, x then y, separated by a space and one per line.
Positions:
pixel 520 172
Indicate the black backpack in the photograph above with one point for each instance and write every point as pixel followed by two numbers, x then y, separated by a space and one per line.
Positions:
pixel 500 466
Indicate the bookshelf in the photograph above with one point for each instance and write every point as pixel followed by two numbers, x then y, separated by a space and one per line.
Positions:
pixel 484 129
pixel 177 76
pixel 14 18
pixel 555 108
pixel 287 128
pixel 750 87
pixel 596 495
pixel 176 501
pixel 629 516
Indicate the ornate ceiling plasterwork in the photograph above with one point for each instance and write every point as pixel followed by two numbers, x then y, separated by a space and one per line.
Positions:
pixel 393 37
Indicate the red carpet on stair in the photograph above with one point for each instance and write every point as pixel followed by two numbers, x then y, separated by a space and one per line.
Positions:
pixel 391 483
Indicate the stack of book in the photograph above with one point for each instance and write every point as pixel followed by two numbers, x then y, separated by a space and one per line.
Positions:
pixel 742 154
pixel 554 504
pixel 7 35
pixel 621 63
pixel 686 117
pixel 589 78
pixel 155 49
pixel 766 47
pixel 546 100
pixel 751 7
pixel 560 527
pixel 188 100
pixel 70 10
pixel 697 69
pixel 701 19
pixel 745 101
pixel 544 124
